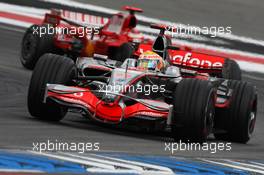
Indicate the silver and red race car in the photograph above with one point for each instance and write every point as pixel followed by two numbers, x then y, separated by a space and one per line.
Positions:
pixel 188 103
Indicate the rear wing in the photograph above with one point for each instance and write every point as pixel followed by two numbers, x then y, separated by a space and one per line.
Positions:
pixel 56 16
pixel 53 18
pixel 132 10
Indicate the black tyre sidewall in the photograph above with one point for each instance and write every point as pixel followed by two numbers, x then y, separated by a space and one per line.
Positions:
pixel 44 44
pixel 192 98
pixel 54 69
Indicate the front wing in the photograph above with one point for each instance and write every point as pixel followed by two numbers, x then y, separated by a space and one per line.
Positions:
pixel 115 112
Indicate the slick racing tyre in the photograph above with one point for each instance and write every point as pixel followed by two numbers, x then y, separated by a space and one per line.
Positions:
pixel 125 51
pixel 239 119
pixel 231 70
pixel 53 69
pixel 194 110
pixel 34 45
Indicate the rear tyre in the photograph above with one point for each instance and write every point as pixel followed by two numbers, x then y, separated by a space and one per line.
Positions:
pixel 193 110
pixel 239 119
pixel 34 46
pixel 54 69
pixel 125 51
pixel 231 70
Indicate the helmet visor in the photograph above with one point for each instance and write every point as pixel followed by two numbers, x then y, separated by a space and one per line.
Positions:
pixel 147 64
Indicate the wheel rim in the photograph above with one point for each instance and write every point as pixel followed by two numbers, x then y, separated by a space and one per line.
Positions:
pixel 29 45
pixel 252 118
pixel 251 123
pixel 209 118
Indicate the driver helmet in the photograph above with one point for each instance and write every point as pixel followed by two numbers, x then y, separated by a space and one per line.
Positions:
pixel 150 61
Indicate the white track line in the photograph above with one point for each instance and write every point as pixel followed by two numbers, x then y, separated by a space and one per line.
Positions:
pixel 15 22
pixel 132 165
pixel 165 169
pixel 107 162
pixel 251 67
pixel 2 170
pixel 76 160
pixel 257 163
pixel 246 164
pixel 34 12
pixel 103 164
pixel 10 28
pixel 234 166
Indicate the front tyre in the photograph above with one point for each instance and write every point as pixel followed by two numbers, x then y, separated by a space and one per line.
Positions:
pixel 194 110
pixel 54 69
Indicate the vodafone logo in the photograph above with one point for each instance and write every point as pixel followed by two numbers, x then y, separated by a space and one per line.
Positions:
pixel 188 60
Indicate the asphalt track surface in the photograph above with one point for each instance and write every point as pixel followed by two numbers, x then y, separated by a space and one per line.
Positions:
pixel 18 130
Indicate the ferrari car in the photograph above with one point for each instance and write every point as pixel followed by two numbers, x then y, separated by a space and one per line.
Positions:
pixel 118 38
pixel 148 90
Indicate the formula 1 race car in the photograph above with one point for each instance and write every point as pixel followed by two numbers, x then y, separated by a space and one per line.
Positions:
pixel 117 38
pixel 184 57
pixel 147 90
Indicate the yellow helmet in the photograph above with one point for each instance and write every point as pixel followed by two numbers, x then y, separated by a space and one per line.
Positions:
pixel 150 61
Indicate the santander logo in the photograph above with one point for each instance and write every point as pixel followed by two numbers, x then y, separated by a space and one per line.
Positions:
pixel 188 60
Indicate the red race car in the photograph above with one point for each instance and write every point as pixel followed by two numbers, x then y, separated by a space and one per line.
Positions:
pixel 186 58
pixel 149 91
pixel 118 38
